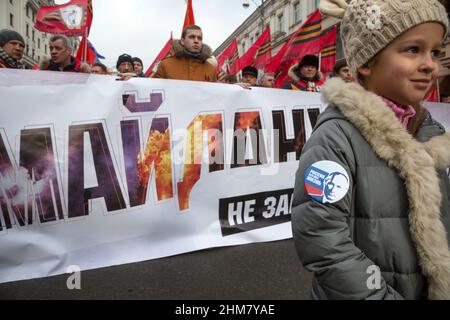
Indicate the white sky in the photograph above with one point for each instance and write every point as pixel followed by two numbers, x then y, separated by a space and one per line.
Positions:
pixel 142 27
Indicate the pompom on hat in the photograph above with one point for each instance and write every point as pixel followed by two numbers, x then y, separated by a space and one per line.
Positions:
pixel 369 26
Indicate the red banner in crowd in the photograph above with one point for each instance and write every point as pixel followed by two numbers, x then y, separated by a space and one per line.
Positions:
pixel 84 53
pixel 259 54
pixel 228 61
pixel 165 52
pixel 328 52
pixel 189 18
pixel 87 53
pixel 305 41
pixel 71 19
pixel 276 60
pixel 433 95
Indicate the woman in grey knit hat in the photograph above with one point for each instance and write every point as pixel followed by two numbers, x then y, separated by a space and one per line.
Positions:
pixel 371 208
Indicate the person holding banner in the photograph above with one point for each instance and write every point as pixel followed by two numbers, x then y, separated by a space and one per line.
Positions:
pixel 11 49
pixel 268 80
pixel 192 59
pixel 371 207
pixel 250 76
pixel 342 70
pixel 124 64
pixel 305 75
pixel 99 68
pixel 138 67
pixel 125 67
pixel 61 57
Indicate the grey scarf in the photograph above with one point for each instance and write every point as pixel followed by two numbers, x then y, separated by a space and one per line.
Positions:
pixel 200 56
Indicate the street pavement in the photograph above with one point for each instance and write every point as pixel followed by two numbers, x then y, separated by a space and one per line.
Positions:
pixel 263 271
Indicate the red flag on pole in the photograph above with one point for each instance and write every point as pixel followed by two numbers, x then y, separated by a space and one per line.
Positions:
pixel 328 52
pixel 71 19
pixel 189 18
pixel 228 61
pixel 84 54
pixel 165 52
pixel 304 41
pixel 434 95
pixel 87 53
pixel 276 60
pixel 260 52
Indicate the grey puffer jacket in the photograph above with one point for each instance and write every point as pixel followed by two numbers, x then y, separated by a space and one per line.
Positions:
pixel 395 215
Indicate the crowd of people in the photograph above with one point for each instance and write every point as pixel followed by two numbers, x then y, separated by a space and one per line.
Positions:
pixel 191 60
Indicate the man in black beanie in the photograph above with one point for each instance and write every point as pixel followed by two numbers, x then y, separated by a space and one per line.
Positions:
pixel 250 75
pixel 11 49
pixel 125 64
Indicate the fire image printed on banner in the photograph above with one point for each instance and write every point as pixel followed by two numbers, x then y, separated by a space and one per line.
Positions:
pixel 35 188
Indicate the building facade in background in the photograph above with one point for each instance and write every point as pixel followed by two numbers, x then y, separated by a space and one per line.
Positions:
pixel 284 18
pixel 20 15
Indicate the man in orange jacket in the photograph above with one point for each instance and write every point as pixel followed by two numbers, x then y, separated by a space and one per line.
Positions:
pixel 192 59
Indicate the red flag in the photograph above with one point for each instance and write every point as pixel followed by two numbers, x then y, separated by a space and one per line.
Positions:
pixel 303 42
pixel 71 19
pixel 165 52
pixel 276 61
pixel 189 18
pixel 433 95
pixel 228 61
pixel 260 52
pixel 328 52
pixel 87 53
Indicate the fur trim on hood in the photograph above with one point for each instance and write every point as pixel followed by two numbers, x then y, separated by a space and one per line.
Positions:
pixel 178 49
pixel 294 73
pixel 416 163
pixel 212 60
pixel 44 64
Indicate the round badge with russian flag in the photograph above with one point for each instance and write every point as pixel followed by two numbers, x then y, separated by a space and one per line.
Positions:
pixel 327 182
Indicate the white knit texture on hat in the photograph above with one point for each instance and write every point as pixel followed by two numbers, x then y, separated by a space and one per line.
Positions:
pixel 368 26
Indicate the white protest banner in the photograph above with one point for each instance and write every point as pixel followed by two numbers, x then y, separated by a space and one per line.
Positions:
pixel 96 172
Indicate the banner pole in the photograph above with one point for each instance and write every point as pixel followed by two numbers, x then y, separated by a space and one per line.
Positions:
pixel 85 45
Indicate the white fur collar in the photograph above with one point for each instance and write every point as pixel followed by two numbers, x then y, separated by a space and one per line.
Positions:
pixel 416 163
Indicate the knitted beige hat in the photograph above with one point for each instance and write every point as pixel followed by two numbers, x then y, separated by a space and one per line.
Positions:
pixel 368 26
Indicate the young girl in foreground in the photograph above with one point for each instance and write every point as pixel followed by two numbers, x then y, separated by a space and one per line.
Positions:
pixel 371 202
